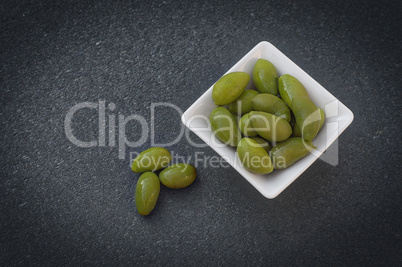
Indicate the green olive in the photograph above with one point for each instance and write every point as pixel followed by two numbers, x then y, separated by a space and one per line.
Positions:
pixel 290 87
pixel 265 77
pixel 271 104
pixel 147 192
pixel 179 175
pixel 224 126
pixel 152 159
pixel 243 105
pixel 228 88
pixel 307 116
pixel 254 157
pixel 262 142
pixel 269 126
pixel 297 130
pixel 245 126
pixel 286 153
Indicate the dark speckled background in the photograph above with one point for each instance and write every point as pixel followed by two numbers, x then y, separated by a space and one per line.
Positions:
pixel 62 204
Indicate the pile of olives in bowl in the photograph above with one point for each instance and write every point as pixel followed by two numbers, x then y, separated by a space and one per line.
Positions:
pixel 273 126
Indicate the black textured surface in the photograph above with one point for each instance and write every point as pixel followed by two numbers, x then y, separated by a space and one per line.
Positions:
pixel 62 204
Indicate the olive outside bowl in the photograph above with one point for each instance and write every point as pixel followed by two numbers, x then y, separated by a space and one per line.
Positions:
pixel 338 118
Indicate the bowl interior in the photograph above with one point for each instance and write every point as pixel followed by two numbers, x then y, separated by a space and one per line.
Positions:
pixel 338 118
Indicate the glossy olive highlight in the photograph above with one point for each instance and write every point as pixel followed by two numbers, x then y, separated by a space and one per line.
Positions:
pixel 265 77
pixel 224 126
pixel 254 157
pixel 271 104
pixel 152 159
pixel 179 175
pixel 228 88
pixel 286 153
pixel 147 192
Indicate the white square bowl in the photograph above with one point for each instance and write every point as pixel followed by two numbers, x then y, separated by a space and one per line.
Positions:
pixel 338 118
